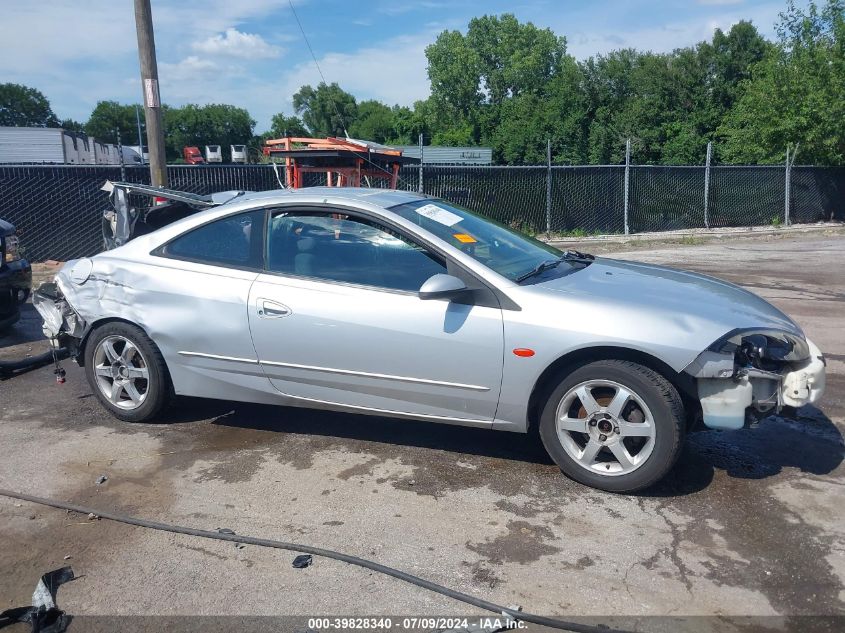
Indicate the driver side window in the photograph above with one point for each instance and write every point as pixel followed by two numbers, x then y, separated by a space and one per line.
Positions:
pixel 341 248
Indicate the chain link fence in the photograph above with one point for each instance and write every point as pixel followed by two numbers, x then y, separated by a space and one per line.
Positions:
pixel 57 209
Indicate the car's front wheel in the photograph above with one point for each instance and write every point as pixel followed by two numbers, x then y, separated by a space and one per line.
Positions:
pixel 613 425
pixel 127 372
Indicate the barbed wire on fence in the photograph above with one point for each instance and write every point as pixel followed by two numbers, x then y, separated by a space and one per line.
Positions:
pixel 57 209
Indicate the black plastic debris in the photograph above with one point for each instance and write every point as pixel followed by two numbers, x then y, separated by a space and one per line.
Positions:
pixel 302 561
pixel 101 480
pixel 43 616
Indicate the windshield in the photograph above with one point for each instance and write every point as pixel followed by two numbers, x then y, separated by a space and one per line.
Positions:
pixel 508 252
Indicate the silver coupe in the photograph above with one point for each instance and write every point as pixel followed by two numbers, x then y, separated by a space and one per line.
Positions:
pixel 391 303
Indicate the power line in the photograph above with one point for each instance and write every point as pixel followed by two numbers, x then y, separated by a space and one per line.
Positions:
pixel 319 70
pixel 331 98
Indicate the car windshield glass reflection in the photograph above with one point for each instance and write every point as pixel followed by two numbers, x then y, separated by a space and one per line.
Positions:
pixel 507 252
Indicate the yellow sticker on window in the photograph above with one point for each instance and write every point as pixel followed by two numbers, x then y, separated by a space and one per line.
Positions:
pixel 464 238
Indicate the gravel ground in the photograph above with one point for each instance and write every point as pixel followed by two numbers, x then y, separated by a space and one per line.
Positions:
pixel 749 523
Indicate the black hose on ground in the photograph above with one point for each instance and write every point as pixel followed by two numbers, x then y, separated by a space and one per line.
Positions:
pixel 318 551
pixel 12 368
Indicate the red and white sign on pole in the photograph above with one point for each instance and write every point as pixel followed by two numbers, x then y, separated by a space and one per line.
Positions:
pixel 151 96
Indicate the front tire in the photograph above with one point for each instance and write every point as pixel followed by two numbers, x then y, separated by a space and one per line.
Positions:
pixel 614 425
pixel 126 372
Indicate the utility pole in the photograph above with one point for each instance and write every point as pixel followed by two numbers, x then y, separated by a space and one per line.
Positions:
pixel 152 99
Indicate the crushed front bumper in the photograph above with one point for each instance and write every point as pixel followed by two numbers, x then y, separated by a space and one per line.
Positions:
pixel 728 401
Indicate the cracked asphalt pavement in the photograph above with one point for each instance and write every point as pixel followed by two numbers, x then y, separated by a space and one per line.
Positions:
pixel 749 523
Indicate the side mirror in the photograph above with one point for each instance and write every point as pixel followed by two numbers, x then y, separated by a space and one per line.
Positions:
pixel 442 287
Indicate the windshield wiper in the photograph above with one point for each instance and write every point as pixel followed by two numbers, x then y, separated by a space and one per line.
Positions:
pixel 542 266
pixel 568 256
pixel 577 256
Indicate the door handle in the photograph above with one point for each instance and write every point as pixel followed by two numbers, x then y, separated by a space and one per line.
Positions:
pixel 272 310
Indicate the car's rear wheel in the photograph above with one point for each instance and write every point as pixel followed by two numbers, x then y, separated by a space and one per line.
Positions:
pixel 127 372
pixel 613 425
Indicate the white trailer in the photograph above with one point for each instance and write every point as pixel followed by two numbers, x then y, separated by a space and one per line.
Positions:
pixel 97 151
pixel 434 154
pixel 84 150
pixel 238 153
pixel 38 145
pixel 110 153
pixel 213 154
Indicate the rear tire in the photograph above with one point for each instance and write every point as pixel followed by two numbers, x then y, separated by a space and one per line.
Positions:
pixel 614 425
pixel 127 372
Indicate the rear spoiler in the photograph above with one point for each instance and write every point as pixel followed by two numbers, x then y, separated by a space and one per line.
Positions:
pixel 119 222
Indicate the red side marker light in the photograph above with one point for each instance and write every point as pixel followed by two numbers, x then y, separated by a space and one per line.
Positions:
pixel 523 352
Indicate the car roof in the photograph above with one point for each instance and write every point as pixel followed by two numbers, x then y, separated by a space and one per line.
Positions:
pixel 385 198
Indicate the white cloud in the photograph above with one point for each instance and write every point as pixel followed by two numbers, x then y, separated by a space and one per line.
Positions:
pixel 233 43
pixel 190 69
pixel 671 35
pixel 392 71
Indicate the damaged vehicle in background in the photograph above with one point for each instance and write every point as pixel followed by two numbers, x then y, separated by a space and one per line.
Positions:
pixel 15 276
pixel 392 303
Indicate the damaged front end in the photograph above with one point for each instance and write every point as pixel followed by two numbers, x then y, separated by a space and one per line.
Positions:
pixel 749 374
pixel 63 326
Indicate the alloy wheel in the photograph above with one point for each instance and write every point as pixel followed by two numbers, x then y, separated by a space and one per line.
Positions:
pixel 605 427
pixel 122 372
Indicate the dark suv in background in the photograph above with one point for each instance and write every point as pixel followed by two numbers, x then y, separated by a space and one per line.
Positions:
pixel 15 276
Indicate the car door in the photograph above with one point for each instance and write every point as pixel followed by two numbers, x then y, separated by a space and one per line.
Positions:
pixel 198 312
pixel 336 318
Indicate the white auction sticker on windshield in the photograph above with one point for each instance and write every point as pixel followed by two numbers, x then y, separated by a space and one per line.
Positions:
pixel 438 214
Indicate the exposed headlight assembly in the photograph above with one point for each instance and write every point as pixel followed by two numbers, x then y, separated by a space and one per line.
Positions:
pixel 763 349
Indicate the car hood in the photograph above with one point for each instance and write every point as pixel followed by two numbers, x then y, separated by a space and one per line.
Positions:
pixel 681 295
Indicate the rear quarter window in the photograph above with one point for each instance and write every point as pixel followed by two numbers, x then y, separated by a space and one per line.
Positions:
pixel 235 241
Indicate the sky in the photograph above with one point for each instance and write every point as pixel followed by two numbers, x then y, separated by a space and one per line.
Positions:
pixel 251 53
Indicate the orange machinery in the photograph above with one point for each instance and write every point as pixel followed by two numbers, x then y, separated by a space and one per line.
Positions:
pixel 344 161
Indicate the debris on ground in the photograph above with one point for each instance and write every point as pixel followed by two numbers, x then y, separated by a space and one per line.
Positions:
pixel 302 561
pixel 226 531
pixel 101 479
pixel 92 517
pixel 43 616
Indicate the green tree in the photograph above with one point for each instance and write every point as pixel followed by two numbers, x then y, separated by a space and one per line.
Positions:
pixel 796 93
pixel 507 84
pixel 729 58
pixel 72 126
pixel 108 117
pixel 669 105
pixel 374 122
pixel 327 110
pixel 22 106
pixel 282 125
pixel 409 123
pixel 213 124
